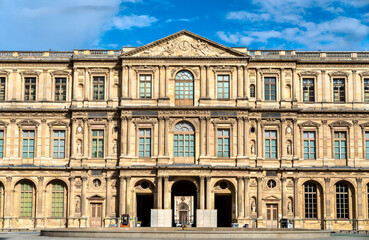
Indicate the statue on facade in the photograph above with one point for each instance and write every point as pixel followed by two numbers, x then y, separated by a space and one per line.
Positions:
pixel 78 204
pixel 115 148
pixel 289 206
pixel 253 206
pixel 289 149
pixel 79 147
pixel 252 149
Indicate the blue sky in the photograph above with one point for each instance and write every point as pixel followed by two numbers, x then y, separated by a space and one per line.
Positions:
pixel 256 24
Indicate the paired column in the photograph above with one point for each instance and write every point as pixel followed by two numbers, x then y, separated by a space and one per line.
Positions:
pixel 284 197
pixel 239 197
pixel 71 196
pixel 166 127
pixel 239 137
pixel 40 197
pixel 247 197
pixel 160 136
pixel 208 193
pixel 360 208
pixel 202 136
pixel 296 197
pixel 239 82
pixel 203 82
pixel 108 197
pixel 259 193
pixel 167 198
pixel 85 137
pixel 159 192
pixel 122 195
pixel 258 84
pixel 9 198
pixel 83 196
pixel 202 192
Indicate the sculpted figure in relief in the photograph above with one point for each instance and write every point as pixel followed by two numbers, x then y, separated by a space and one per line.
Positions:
pixel 79 147
pixel 253 206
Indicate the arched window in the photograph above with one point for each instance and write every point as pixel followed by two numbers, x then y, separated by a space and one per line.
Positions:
pixel 311 200
pixel 26 200
pixel 57 204
pixel 252 91
pixel 342 200
pixel 184 140
pixel 184 88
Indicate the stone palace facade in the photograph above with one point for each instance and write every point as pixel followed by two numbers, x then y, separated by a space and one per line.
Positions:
pixel 186 124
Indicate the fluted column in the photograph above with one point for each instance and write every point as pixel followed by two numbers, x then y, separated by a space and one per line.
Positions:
pixel 202 136
pixel 240 197
pixel 208 193
pixel 160 192
pixel 284 197
pixel 258 84
pixel 295 140
pixel 129 129
pixel 207 136
pixel 202 192
pixel 166 127
pixel 245 82
pixel 259 197
pixel 245 134
pixel 294 85
pixel 167 197
pixel 85 137
pixel 259 139
pixel 296 197
pixel 360 208
pixel 239 83
pixel 9 201
pixel 160 136
pixel 108 197
pixel 122 195
pixel 283 142
pixel 325 91
pixel 327 197
pixel 203 82
pixel 40 196
pixel 71 197
pixel 129 81
pixel 73 137
pixel 246 197
pixel 208 81
pixel 124 136
pixel 128 196
pixel 161 81
pixel 239 137
pixel 83 196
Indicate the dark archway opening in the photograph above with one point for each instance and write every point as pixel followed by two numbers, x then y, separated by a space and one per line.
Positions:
pixel 223 205
pixel 184 188
pixel 145 202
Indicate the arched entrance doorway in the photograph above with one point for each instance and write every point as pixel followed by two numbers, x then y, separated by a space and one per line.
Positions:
pixel 224 203
pixel 184 203
pixel 144 190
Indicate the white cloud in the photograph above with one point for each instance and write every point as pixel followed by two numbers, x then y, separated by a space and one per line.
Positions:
pixel 181 19
pixel 243 15
pixel 127 22
pixel 59 25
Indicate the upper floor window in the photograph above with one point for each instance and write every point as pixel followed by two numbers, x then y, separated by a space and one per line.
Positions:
pixel 252 90
pixel 340 145
pixel 270 144
pixel 145 142
pixel 97 143
pixel 2 88
pixel 309 145
pixel 184 88
pixel 270 88
pixel 28 144
pixel 366 89
pixel 308 89
pixel 30 89
pixel 366 145
pixel 1 143
pixel 339 90
pixel 145 86
pixel 99 83
pixel 223 143
pixel 59 144
pixel 223 86
pixel 184 140
pixel 60 89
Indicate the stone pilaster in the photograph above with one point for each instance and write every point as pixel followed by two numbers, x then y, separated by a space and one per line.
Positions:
pixel 208 193
pixel 240 197
pixel 122 195
pixel 259 197
pixel 159 192
pixel 83 196
pixel 167 198
pixel 284 197
pixel 202 192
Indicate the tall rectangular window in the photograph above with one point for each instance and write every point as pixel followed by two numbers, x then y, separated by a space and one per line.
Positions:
pixel 309 145
pixel 223 143
pixel 339 90
pixel 252 90
pixel 30 89
pixel 60 89
pixel 223 86
pixel 270 88
pixel 145 86
pixel 97 143
pixel 26 200
pixel 1 144
pixel 2 88
pixel 99 83
pixel 270 144
pixel 28 144
pixel 59 144
pixel 342 200
pixel 311 200
pixel 340 145
pixel 145 143
pixel 308 89
pixel 57 205
pixel 366 89
pixel 367 145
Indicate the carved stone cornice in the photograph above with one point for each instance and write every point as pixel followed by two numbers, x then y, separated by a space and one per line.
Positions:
pixel 28 123
pixel 340 124
pixel 338 73
pixel 309 123
pixel 308 73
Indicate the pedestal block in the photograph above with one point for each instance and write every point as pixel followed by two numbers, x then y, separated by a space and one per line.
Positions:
pixel 206 218
pixel 161 217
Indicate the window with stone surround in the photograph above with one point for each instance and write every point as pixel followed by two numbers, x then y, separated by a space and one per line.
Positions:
pixel 98 87
pixel 29 88
pixel 270 144
pixel 308 89
pixel 270 88
pixel 2 88
pixel 223 86
pixel 367 145
pixel 223 143
pixel 97 143
pixel 26 200
pixel 184 140
pixel 311 200
pixel 366 90
pixel 59 144
pixel 184 88
pixel 60 89
pixel 342 201
pixel 339 90
pixel 309 145
pixel 144 142
pixel 252 91
pixel 340 145
pixel 57 203
pixel 1 143
pixel 145 86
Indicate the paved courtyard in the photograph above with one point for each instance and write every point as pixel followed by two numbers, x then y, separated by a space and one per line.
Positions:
pixel 36 236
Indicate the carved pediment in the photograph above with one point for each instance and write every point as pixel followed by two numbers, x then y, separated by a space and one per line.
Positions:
pixel 364 74
pixel 339 73
pixel 28 123
pixel 364 125
pixel 58 123
pixel 29 72
pixel 3 72
pixel 2 123
pixel 272 198
pixel 308 123
pixel 59 72
pixel 184 44
pixel 340 124
pixel 308 73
